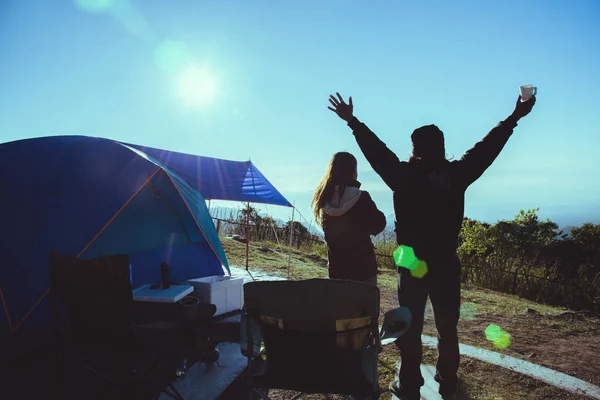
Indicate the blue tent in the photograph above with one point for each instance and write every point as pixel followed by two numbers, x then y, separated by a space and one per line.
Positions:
pixel 90 197
pixel 219 179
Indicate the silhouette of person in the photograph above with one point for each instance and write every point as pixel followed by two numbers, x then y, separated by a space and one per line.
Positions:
pixel 428 194
pixel 348 217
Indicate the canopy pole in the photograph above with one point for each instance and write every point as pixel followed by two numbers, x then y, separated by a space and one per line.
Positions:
pixel 275 233
pixel 291 236
pixel 273 226
pixel 247 234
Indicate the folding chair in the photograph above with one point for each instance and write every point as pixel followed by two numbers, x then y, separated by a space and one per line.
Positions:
pixel 98 300
pixel 320 336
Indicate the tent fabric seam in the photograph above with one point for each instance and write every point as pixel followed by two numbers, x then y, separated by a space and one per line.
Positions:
pixel 197 224
pixel 8 318
pixel 6 310
pixel 118 212
pixel 31 310
pixel 187 234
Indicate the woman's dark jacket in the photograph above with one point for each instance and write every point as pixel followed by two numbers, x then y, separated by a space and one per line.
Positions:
pixel 348 223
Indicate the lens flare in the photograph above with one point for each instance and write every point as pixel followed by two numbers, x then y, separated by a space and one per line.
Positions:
pixel 94 5
pixel 493 332
pixel 503 341
pixel 172 56
pixel 420 271
pixel 468 311
pixel 496 335
pixel 404 256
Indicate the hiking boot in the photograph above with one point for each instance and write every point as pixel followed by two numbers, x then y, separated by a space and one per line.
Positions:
pixel 453 396
pixel 448 389
pixel 449 392
pixel 403 393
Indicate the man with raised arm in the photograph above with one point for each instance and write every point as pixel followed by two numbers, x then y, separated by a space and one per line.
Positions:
pixel 428 193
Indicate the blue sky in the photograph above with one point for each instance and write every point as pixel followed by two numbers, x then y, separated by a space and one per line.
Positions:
pixel 249 80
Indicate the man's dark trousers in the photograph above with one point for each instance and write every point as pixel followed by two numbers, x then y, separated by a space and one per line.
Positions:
pixel 442 285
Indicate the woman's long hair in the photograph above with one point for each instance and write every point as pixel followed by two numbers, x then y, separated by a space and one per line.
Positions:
pixel 340 171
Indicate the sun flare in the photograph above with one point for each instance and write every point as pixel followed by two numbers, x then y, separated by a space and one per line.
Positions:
pixel 197 86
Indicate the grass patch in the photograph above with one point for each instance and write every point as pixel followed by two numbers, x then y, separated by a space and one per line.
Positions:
pixel 272 258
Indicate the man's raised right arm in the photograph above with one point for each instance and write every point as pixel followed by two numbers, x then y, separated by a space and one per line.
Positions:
pixel 382 159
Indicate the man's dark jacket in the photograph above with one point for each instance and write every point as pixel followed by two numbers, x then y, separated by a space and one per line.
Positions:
pixel 429 199
pixel 348 223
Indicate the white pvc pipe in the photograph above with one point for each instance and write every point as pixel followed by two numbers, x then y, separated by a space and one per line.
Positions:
pixel 544 374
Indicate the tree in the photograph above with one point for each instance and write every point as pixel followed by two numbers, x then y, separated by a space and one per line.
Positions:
pixel 473 240
pixel 269 229
pixel 587 240
pixel 248 215
pixel 587 236
pixel 532 232
pixel 298 228
pixel 270 221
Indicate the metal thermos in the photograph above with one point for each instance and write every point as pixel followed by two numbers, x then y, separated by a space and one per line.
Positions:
pixel 164 274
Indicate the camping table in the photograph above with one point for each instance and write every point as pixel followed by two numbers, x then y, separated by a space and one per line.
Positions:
pixel 159 304
pixel 171 295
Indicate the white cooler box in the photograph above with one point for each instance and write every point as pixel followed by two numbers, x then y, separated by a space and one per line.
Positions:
pixel 225 292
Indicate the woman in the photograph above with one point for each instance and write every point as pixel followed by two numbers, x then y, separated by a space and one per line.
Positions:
pixel 348 217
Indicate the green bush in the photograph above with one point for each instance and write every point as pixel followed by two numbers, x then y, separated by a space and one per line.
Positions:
pixel 533 259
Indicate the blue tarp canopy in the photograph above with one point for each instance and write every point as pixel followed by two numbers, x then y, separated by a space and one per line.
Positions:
pixel 90 197
pixel 219 179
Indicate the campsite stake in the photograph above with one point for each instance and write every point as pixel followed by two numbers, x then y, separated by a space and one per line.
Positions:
pixel 247 234
pixel 291 236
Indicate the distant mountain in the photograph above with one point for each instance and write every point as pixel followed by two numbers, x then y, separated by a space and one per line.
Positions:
pixel 227 212
pixel 567 229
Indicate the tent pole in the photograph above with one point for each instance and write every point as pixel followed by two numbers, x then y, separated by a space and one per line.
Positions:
pixel 291 236
pixel 247 234
pixel 275 232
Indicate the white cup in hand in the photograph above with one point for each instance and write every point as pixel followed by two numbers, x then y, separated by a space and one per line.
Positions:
pixel 527 91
